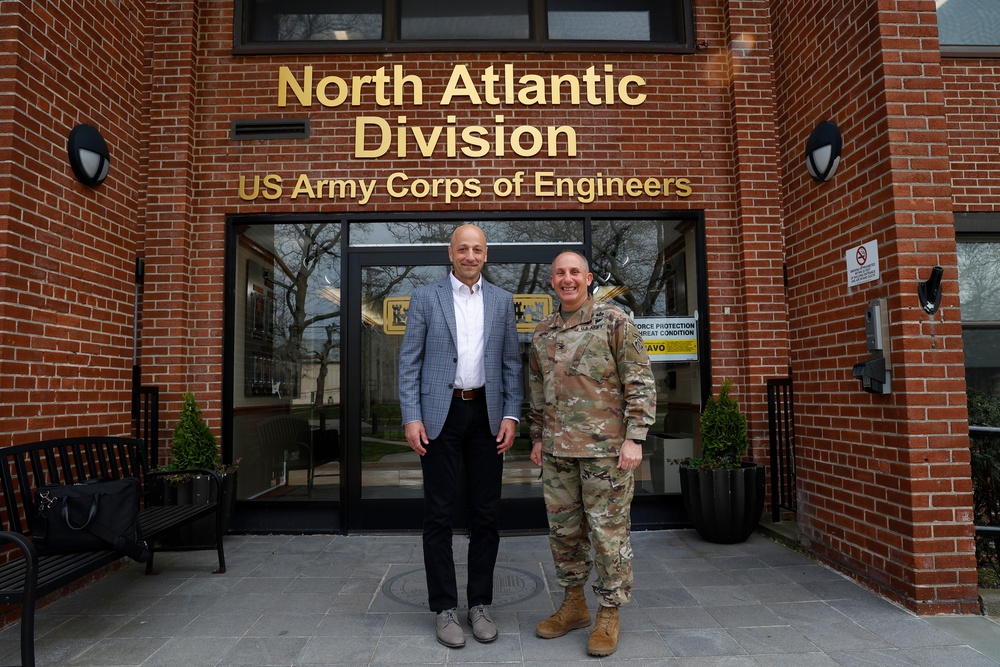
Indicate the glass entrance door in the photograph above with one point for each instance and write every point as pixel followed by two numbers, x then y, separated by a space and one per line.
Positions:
pixel 386 484
pixel 316 320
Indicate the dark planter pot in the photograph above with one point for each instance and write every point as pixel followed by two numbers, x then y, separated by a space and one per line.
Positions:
pixel 197 490
pixel 724 505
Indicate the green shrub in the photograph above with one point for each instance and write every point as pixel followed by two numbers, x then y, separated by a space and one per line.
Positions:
pixel 724 438
pixel 194 445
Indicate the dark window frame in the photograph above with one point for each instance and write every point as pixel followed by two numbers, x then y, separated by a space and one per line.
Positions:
pixel 956 51
pixel 242 45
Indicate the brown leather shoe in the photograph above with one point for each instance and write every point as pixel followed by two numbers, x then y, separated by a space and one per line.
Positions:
pixel 571 615
pixel 604 639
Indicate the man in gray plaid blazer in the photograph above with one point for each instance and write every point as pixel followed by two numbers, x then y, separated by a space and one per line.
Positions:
pixel 460 389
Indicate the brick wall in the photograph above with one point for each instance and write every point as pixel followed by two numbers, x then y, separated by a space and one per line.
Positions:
pixel 67 252
pixel 972 112
pixel 884 481
pixel 702 121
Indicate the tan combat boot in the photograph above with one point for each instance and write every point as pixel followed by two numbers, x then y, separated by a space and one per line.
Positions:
pixel 604 639
pixel 571 615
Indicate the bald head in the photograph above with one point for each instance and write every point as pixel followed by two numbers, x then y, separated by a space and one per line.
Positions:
pixel 571 278
pixel 467 253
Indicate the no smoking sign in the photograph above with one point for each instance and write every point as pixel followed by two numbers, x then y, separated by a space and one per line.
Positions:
pixel 862 264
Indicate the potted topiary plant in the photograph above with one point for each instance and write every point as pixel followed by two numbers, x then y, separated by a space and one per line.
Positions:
pixel 195 447
pixel 723 495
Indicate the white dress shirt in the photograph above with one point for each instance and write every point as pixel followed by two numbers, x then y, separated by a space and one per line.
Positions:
pixel 470 373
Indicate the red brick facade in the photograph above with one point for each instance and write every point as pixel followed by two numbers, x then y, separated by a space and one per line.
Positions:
pixel 884 483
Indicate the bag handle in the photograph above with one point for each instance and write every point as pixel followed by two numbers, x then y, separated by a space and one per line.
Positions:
pixel 93 513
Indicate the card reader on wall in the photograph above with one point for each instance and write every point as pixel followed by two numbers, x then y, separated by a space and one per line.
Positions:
pixel 874 378
pixel 876 373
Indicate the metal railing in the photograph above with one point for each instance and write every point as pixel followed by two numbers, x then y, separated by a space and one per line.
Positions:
pixel 147 423
pixel 781 433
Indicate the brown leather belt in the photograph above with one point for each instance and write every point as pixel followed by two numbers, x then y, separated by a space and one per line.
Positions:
pixel 469 394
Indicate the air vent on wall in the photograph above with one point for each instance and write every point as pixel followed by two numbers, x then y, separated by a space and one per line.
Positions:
pixel 270 128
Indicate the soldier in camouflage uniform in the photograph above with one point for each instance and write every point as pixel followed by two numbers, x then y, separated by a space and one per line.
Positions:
pixel 592 401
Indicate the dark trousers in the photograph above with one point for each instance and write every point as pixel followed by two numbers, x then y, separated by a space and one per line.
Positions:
pixel 465 437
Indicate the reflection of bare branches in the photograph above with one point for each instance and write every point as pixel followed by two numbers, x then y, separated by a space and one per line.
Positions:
pixel 334 27
pixel 637 259
pixel 518 278
pixel 301 252
pixel 506 232
pixel 979 281
pixel 381 281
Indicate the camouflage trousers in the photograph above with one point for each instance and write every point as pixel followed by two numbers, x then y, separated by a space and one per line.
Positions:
pixel 588 501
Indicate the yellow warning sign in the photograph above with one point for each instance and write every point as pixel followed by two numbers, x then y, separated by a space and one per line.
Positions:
pixel 529 309
pixel 669 338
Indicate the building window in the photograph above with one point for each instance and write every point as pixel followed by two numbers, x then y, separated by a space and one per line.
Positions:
pixel 979 292
pixel 285 26
pixel 969 27
pixel 614 20
pixel 459 19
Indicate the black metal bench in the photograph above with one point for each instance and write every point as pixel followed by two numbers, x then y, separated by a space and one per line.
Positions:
pixel 25 576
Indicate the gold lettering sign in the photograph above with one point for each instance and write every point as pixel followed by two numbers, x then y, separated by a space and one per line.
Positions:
pixel 383 130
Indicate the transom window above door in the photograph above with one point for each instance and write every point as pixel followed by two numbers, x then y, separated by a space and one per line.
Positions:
pixel 280 26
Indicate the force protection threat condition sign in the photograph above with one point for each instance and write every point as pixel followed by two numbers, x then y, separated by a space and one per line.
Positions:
pixel 669 338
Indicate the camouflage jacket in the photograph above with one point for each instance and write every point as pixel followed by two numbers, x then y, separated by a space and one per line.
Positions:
pixel 591 385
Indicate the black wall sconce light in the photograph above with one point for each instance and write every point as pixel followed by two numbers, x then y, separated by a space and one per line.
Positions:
pixel 88 155
pixel 823 151
pixel 929 291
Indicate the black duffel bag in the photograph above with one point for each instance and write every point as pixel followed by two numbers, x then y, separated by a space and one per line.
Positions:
pixel 95 515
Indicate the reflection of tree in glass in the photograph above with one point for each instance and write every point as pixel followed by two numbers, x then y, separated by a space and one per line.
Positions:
pixel 633 258
pixel 533 231
pixel 302 251
pixel 328 26
pixel 519 278
pixel 383 281
pixel 498 232
pixel 979 281
pixel 415 233
pixel 527 278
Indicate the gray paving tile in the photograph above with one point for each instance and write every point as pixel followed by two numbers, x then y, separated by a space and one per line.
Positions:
pixel 355 624
pixel 321 600
pixel 338 651
pixel 983 634
pixel 265 652
pixel 153 625
pixel 118 651
pixel 679 618
pixel 412 650
pixel 817 659
pixel 745 616
pixel 664 597
pixel 843 635
pixel 233 624
pixel 279 624
pixel 772 639
pixel 702 642
pixel 798 613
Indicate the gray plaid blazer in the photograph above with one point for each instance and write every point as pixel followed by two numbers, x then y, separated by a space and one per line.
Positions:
pixel 428 356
